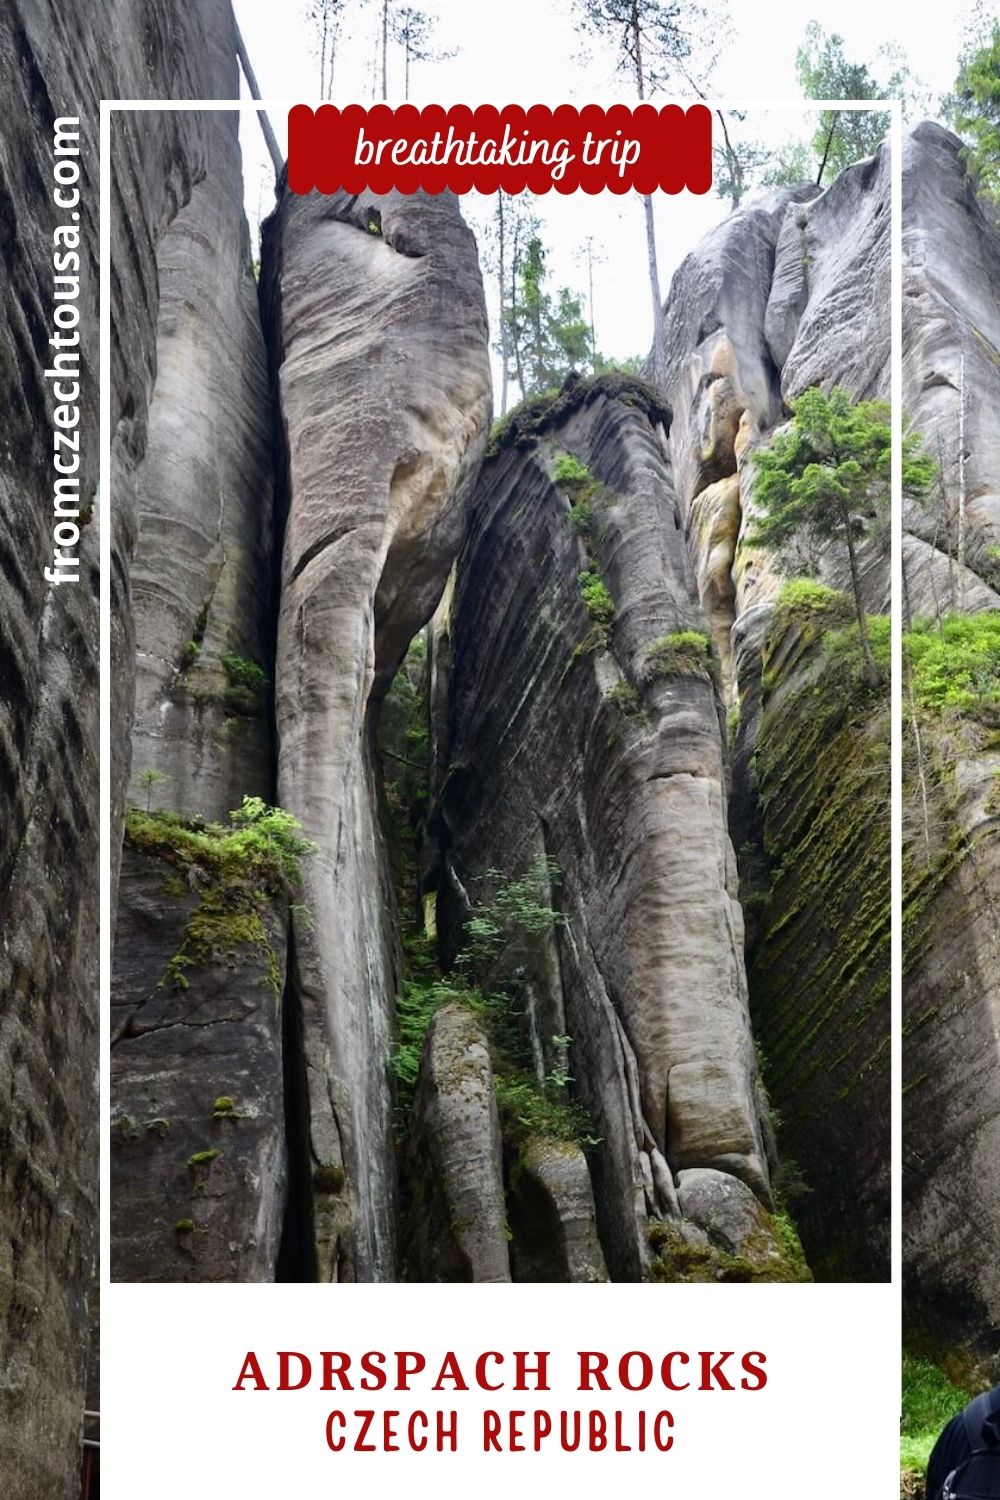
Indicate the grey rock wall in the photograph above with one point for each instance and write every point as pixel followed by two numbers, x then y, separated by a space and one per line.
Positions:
pixel 378 336
pixel 581 747
pixel 203 621
pixel 57 61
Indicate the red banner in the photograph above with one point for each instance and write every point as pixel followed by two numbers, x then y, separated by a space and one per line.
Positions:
pixel 513 150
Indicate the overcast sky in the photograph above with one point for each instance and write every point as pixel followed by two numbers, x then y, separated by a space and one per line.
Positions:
pixel 527 51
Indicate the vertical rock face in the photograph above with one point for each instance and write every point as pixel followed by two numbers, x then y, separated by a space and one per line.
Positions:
pixel 951 868
pixel 459 1227
pixel 788 293
pixel 591 737
pixel 203 621
pixel 379 340
pixel 951 334
pixel 58 61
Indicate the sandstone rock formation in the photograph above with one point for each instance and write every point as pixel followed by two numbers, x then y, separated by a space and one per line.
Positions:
pixel 200 584
pixel 379 340
pixel 58 62
pixel 790 292
pixel 952 958
pixel 586 732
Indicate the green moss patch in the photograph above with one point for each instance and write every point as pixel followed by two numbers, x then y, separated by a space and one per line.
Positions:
pixel 677 1258
pixel 679 654
pixel 234 871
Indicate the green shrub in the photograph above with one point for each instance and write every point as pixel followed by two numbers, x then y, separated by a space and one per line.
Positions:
pixel 190 655
pixel 517 908
pixel 955 666
pixel 599 603
pixel 806 596
pixel 527 1112
pixel 844 648
pixel 569 473
pixel 246 683
pixel 626 699
pixel 679 654
pixel 581 517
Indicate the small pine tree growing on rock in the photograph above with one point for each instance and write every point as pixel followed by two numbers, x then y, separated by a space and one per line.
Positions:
pixel 826 478
pixel 148 779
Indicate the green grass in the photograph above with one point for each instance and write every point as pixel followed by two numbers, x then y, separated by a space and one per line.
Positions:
pixel 930 1400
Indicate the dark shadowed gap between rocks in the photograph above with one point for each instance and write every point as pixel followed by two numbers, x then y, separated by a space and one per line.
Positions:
pixel 297 1252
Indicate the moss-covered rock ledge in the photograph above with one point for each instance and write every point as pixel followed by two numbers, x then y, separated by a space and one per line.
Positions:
pixel 198 1129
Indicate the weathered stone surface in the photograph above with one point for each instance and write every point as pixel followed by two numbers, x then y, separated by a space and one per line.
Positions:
pixel 552 1216
pixel 201 574
pixel 716 358
pixel 951 1113
pixel 58 60
pixel 951 339
pixel 951 1059
pixel 827 318
pixel 791 292
pixel 728 1212
pixel 203 622
pixel 380 342
pixel 196 1069
pixel 456 1227
pixel 574 745
pixel 713 530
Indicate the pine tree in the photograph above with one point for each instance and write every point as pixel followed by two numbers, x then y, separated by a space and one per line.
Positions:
pixel 976 113
pixel 659 44
pixel 826 478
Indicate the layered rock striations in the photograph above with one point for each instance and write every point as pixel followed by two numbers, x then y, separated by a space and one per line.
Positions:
pixel 379 342
pixel 792 292
pixel 636 1085
pixel 584 731
pixel 951 760
pixel 199 965
pixel 58 62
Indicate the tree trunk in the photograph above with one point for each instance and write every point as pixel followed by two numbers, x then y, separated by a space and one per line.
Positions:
pixel 647 205
pixel 871 671
pixel 921 774
pixel 406 70
pixel 504 330
pixel 826 149
pixel 590 288
pixel 654 286
pixel 732 157
pixel 385 49
pixel 514 332
pixel 254 87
